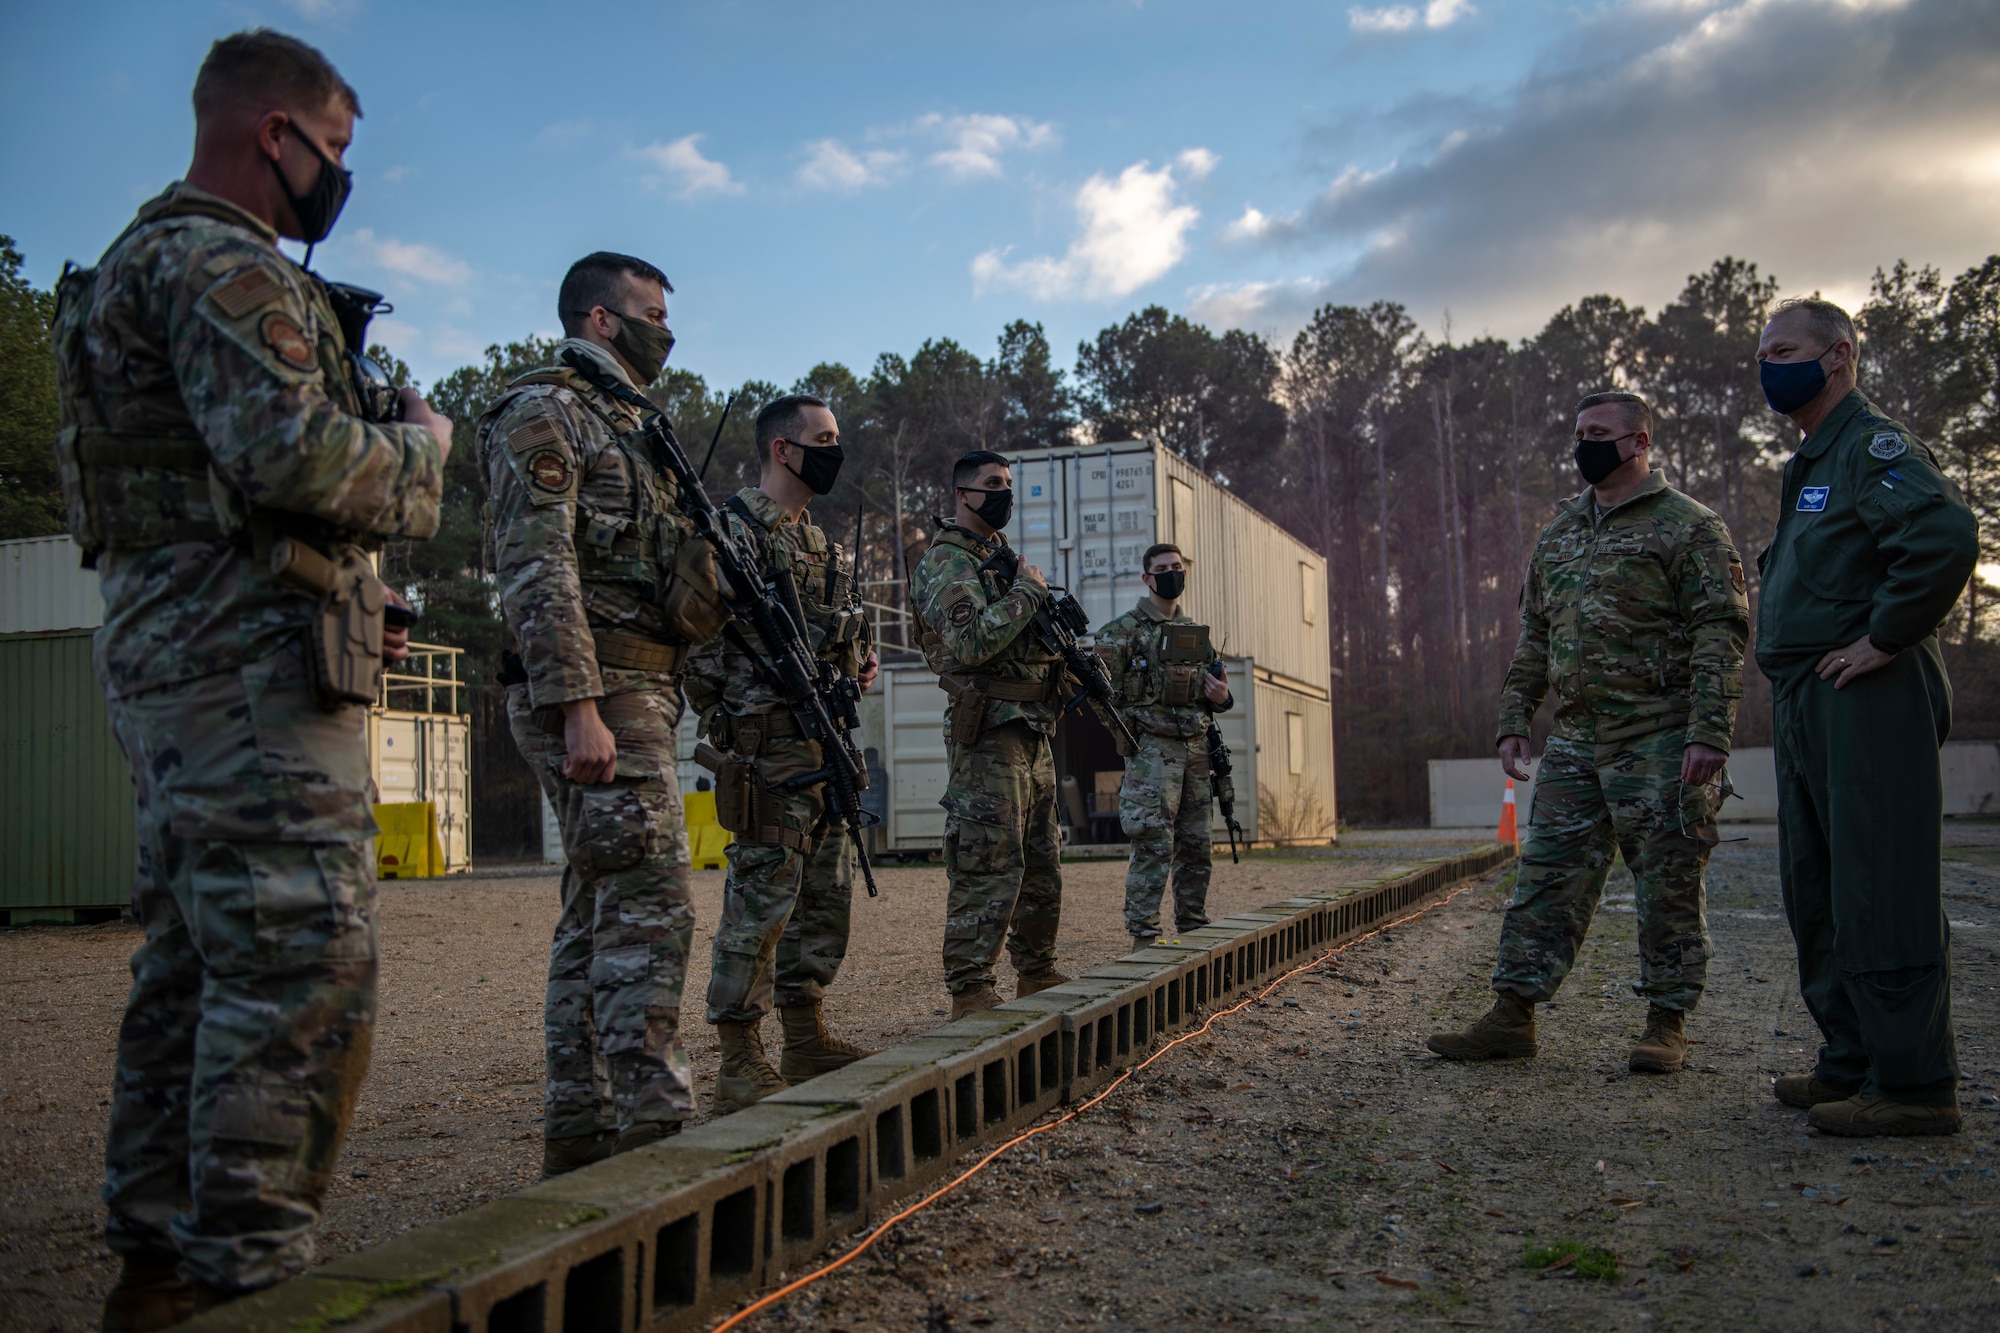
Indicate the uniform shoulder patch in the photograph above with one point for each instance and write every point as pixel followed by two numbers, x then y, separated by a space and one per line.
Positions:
pixel 245 292
pixel 963 612
pixel 282 334
pixel 535 432
pixel 1736 576
pixel 549 471
pixel 1888 444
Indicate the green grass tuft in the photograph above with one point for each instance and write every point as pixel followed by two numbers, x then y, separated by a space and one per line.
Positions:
pixel 1601 1265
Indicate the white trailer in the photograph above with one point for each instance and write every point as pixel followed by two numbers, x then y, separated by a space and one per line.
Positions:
pixel 1085 515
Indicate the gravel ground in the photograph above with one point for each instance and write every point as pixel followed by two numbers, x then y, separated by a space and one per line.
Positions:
pixel 1309 1163
pixel 450 1114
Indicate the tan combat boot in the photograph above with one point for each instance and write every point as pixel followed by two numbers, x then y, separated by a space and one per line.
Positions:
pixel 746 1076
pixel 639 1135
pixel 564 1155
pixel 976 998
pixel 1027 983
pixel 151 1294
pixel 1663 1047
pixel 1805 1092
pixel 1507 1032
pixel 1864 1115
pixel 1144 942
pixel 810 1050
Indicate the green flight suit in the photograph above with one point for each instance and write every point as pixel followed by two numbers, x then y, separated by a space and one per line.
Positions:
pixel 1872 539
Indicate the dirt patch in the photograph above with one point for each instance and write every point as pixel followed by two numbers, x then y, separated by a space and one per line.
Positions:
pixel 450 1115
pixel 1308 1163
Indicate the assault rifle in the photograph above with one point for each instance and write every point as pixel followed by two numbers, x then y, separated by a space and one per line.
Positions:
pixel 1219 784
pixel 824 704
pixel 353 307
pixel 1056 625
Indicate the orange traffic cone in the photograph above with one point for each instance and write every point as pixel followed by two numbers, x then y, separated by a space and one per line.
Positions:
pixel 1508 831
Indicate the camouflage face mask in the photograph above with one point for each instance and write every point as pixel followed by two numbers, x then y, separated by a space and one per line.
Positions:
pixel 644 346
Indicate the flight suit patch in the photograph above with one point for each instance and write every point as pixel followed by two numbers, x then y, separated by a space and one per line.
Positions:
pixel 1812 499
pixel 549 471
pixel 1888 445
pixel 962 613
pixel 283 336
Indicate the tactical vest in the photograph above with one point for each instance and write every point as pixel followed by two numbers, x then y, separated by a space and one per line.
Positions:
pixel 1022 673
pixel 127 489
pixel 1166 665
pixel 822 574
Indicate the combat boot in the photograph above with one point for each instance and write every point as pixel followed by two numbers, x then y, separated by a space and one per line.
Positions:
pixel 561 1156
pixel 976 998
pixel 1663 1047
pixel 746 1076
pixel 1144 942
pixel 1027 983
pixel 1507 1032
pixel 1805 1092
pixel 151 1294
pixel 643 1133
pixel 810 1050
pixel 1865 1116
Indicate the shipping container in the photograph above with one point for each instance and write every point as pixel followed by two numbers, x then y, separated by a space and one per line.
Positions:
pixel 1085 516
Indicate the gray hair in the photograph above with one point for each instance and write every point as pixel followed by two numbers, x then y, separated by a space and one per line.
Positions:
pixel 1825 319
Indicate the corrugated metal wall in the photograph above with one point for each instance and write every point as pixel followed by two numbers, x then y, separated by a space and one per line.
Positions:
pixel 1294 792
pixel 66 825
pixel 44 587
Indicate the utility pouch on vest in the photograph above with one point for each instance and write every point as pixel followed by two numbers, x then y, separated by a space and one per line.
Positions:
pixel 347 632
pixel 735 795
pixel 968 707
pixel 692 604
pixel 1182 684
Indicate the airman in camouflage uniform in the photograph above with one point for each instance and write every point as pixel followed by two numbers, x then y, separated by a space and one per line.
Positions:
pixel 208 414
pixel 1163 802
pixel 1002 839
pixel 788 898
pixel 1635 613
pixel 587 545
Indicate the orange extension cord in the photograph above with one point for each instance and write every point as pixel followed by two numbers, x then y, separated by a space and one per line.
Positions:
pixel 826 1270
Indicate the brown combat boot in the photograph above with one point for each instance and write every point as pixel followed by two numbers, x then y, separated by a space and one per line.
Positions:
pixel 746 1076
pixel 1027 983
pixel 1866 1116
pixel 976 998
pixel 1507 1032
pixel 810 1050
pixel 1663 1047
pixel 1805 1092
pixel 151 1294
pixel 562 1156
pixel 1144 942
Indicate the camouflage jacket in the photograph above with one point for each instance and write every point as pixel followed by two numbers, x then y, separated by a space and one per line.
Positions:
pixel 199 338
pixel 721 672
pixel 1637 620
pixel 1130 647
pixel 974 626
pixel 581 526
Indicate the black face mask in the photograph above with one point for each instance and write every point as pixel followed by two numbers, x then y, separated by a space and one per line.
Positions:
pixel 323 201
pixel 1598 459
pixel 1170 584
pixel 820 467
pixel 996 508
pixel 645 347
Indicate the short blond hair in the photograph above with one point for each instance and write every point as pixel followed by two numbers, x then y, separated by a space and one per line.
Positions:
pixel 263 70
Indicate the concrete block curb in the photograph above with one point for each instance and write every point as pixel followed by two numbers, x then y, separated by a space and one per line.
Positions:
pixel 666 1237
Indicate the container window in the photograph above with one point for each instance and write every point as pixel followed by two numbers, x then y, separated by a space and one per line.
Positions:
pixel 1183 517
pixel 1308 597
pixel 1295 743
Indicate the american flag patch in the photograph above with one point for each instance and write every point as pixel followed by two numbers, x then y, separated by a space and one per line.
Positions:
pixel 240 295
pixel 536 430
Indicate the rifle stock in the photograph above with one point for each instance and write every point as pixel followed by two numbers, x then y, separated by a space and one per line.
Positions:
pixel 1220 785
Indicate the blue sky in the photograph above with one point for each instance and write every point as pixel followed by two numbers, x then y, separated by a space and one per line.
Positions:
pixel 830 181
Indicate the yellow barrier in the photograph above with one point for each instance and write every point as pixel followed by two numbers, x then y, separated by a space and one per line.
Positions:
pixel 706 838
pixel 408 846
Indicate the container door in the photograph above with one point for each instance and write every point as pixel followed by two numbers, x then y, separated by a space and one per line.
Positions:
pixel 398 757
pixel 448 784
pixel 913 720
pixel 1114 518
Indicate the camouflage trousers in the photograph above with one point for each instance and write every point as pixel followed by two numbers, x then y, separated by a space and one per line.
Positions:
pixel 247 1031
pixel 1589 802
pixel 785 910
pixel 1002 854
pixel 611 1016
pixel 1163 808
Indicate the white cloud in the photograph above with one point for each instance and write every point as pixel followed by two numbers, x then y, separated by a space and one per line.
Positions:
pixel 977 142
pixel 323 11
pixel 1638 154
pixel 399 172
pixel 681 164
pixel 833 166
pixel 1132 231
pixel 1254 225
pixel 1197 163
pixel 409 259
pixel 1278 308
pixel 1402 18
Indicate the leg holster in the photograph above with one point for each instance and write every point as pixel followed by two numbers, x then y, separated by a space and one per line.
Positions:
pixel 746 803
